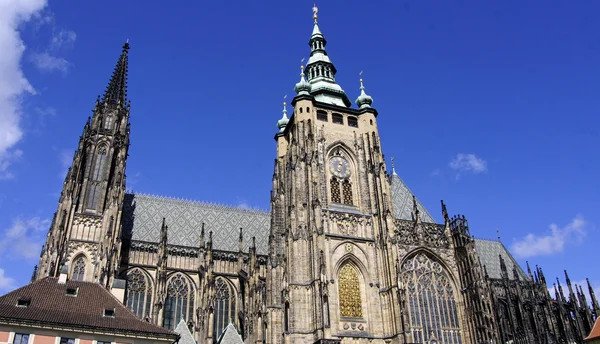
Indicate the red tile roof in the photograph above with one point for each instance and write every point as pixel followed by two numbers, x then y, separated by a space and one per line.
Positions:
pixel 49 304
pixel 595 331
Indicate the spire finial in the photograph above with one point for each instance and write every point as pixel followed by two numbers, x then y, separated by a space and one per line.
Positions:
pixel 393 167
pixel 315 10
pixel 284 119
pixel 363 100
pixel 302 87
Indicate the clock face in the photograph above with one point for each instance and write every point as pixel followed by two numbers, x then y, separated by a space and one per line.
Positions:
pixel 339 167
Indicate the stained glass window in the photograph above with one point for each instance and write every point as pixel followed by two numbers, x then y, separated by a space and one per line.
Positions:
pixel 431 301
pixel 224 306
pixel 349 290
pixel 79 269
pixel 180 301
pixel 335 191
pixel 347 187
pixel 139 293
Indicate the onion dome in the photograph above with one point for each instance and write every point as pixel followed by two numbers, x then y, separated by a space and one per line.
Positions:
pixel 364 100
pixel 302 87
pixel 281 124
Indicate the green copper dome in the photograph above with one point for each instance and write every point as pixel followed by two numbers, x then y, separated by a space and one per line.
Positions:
pixel 364 100
pixel 303 87
pixel 282 123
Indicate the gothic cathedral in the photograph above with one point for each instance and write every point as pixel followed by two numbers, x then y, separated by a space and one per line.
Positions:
pixel 347 253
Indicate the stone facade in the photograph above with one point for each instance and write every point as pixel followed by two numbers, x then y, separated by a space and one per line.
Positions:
pixel 346 254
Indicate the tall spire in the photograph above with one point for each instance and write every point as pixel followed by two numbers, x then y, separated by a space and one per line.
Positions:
pixel 116 91
pixel 320 71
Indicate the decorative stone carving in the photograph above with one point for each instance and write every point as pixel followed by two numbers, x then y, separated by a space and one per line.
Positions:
pixel 420 234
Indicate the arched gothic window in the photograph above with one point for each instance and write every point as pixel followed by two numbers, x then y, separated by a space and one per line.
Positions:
pixel 108 122
pixel 180 301
pixel 139 293
pixel 99 165
pixel 335 191
pixel 431 301
pixel 347 190
pixel 349 290
pixel 94 188
pixel 224 311
pixel 79 269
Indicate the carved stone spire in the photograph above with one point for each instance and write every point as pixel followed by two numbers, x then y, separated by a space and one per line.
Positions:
pixel 116 91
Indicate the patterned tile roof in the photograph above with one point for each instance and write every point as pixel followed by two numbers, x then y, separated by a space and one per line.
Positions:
pixel 183 331
pixel 403 202
pixel 143 214
pixel 49 304
pixel 489 250
pixel 230 336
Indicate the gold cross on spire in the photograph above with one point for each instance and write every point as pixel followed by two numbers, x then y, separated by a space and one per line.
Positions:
pixel 315 10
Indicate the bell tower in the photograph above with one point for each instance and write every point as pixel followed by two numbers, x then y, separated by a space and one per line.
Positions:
pixel 84 233
pixel 331 215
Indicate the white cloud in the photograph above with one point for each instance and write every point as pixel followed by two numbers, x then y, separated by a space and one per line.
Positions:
pixel 553 242
pixel 467 163
pixel 24 238
pixel 48 63
pixel 62 39
pixel 6 160
pixel 13 84
pixel 6 283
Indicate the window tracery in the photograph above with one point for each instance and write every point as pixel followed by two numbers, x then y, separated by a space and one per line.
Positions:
pixel 349 292
pixel 431 301
pixel 224 310
pixel 335 191
pixel 139 293
pixel 347 191
pixel 94 187
pixel 79 269
pixel 180 301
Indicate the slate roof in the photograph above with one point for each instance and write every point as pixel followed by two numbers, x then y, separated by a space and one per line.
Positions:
pixel 230 336
pixel 402 198
pixel 143 214
pixel 49 304
pixel 489 250
pixel 185 336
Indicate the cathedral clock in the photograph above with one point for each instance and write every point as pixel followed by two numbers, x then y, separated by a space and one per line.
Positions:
pixel 339 167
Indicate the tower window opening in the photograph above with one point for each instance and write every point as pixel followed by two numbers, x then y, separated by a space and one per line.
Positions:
pixel 307 109
pixel 337 118
pixel 301 110
pixel 79 269
pixel 347 188
pixel 371 121
pixel 322 115
pixel 353 122
pixel 335 191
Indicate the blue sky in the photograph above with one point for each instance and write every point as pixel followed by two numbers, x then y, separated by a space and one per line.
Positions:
pixel 491 106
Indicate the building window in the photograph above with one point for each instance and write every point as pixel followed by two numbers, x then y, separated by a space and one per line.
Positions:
pixel 322 115
pixel 98 172
pixel 335 191
pixel 353 122
pixel 67 340
pixel 286 317
pixel 21 338
pixel 108 122
pixel 432 307
pixel 337 118
pixel 139 293
pixel 347 190
pixel 224 311
pixel 79 269
pixel 179 303
pixel 349 292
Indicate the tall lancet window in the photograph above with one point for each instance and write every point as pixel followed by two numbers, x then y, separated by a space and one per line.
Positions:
pixel 349 290
pixel 180 301
pixel 108 122
pixel 432 305
pixel 139 293
pixel 335 191
pixel 347 189
pixel 94 189
pixel 79 269
pixel 224 311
